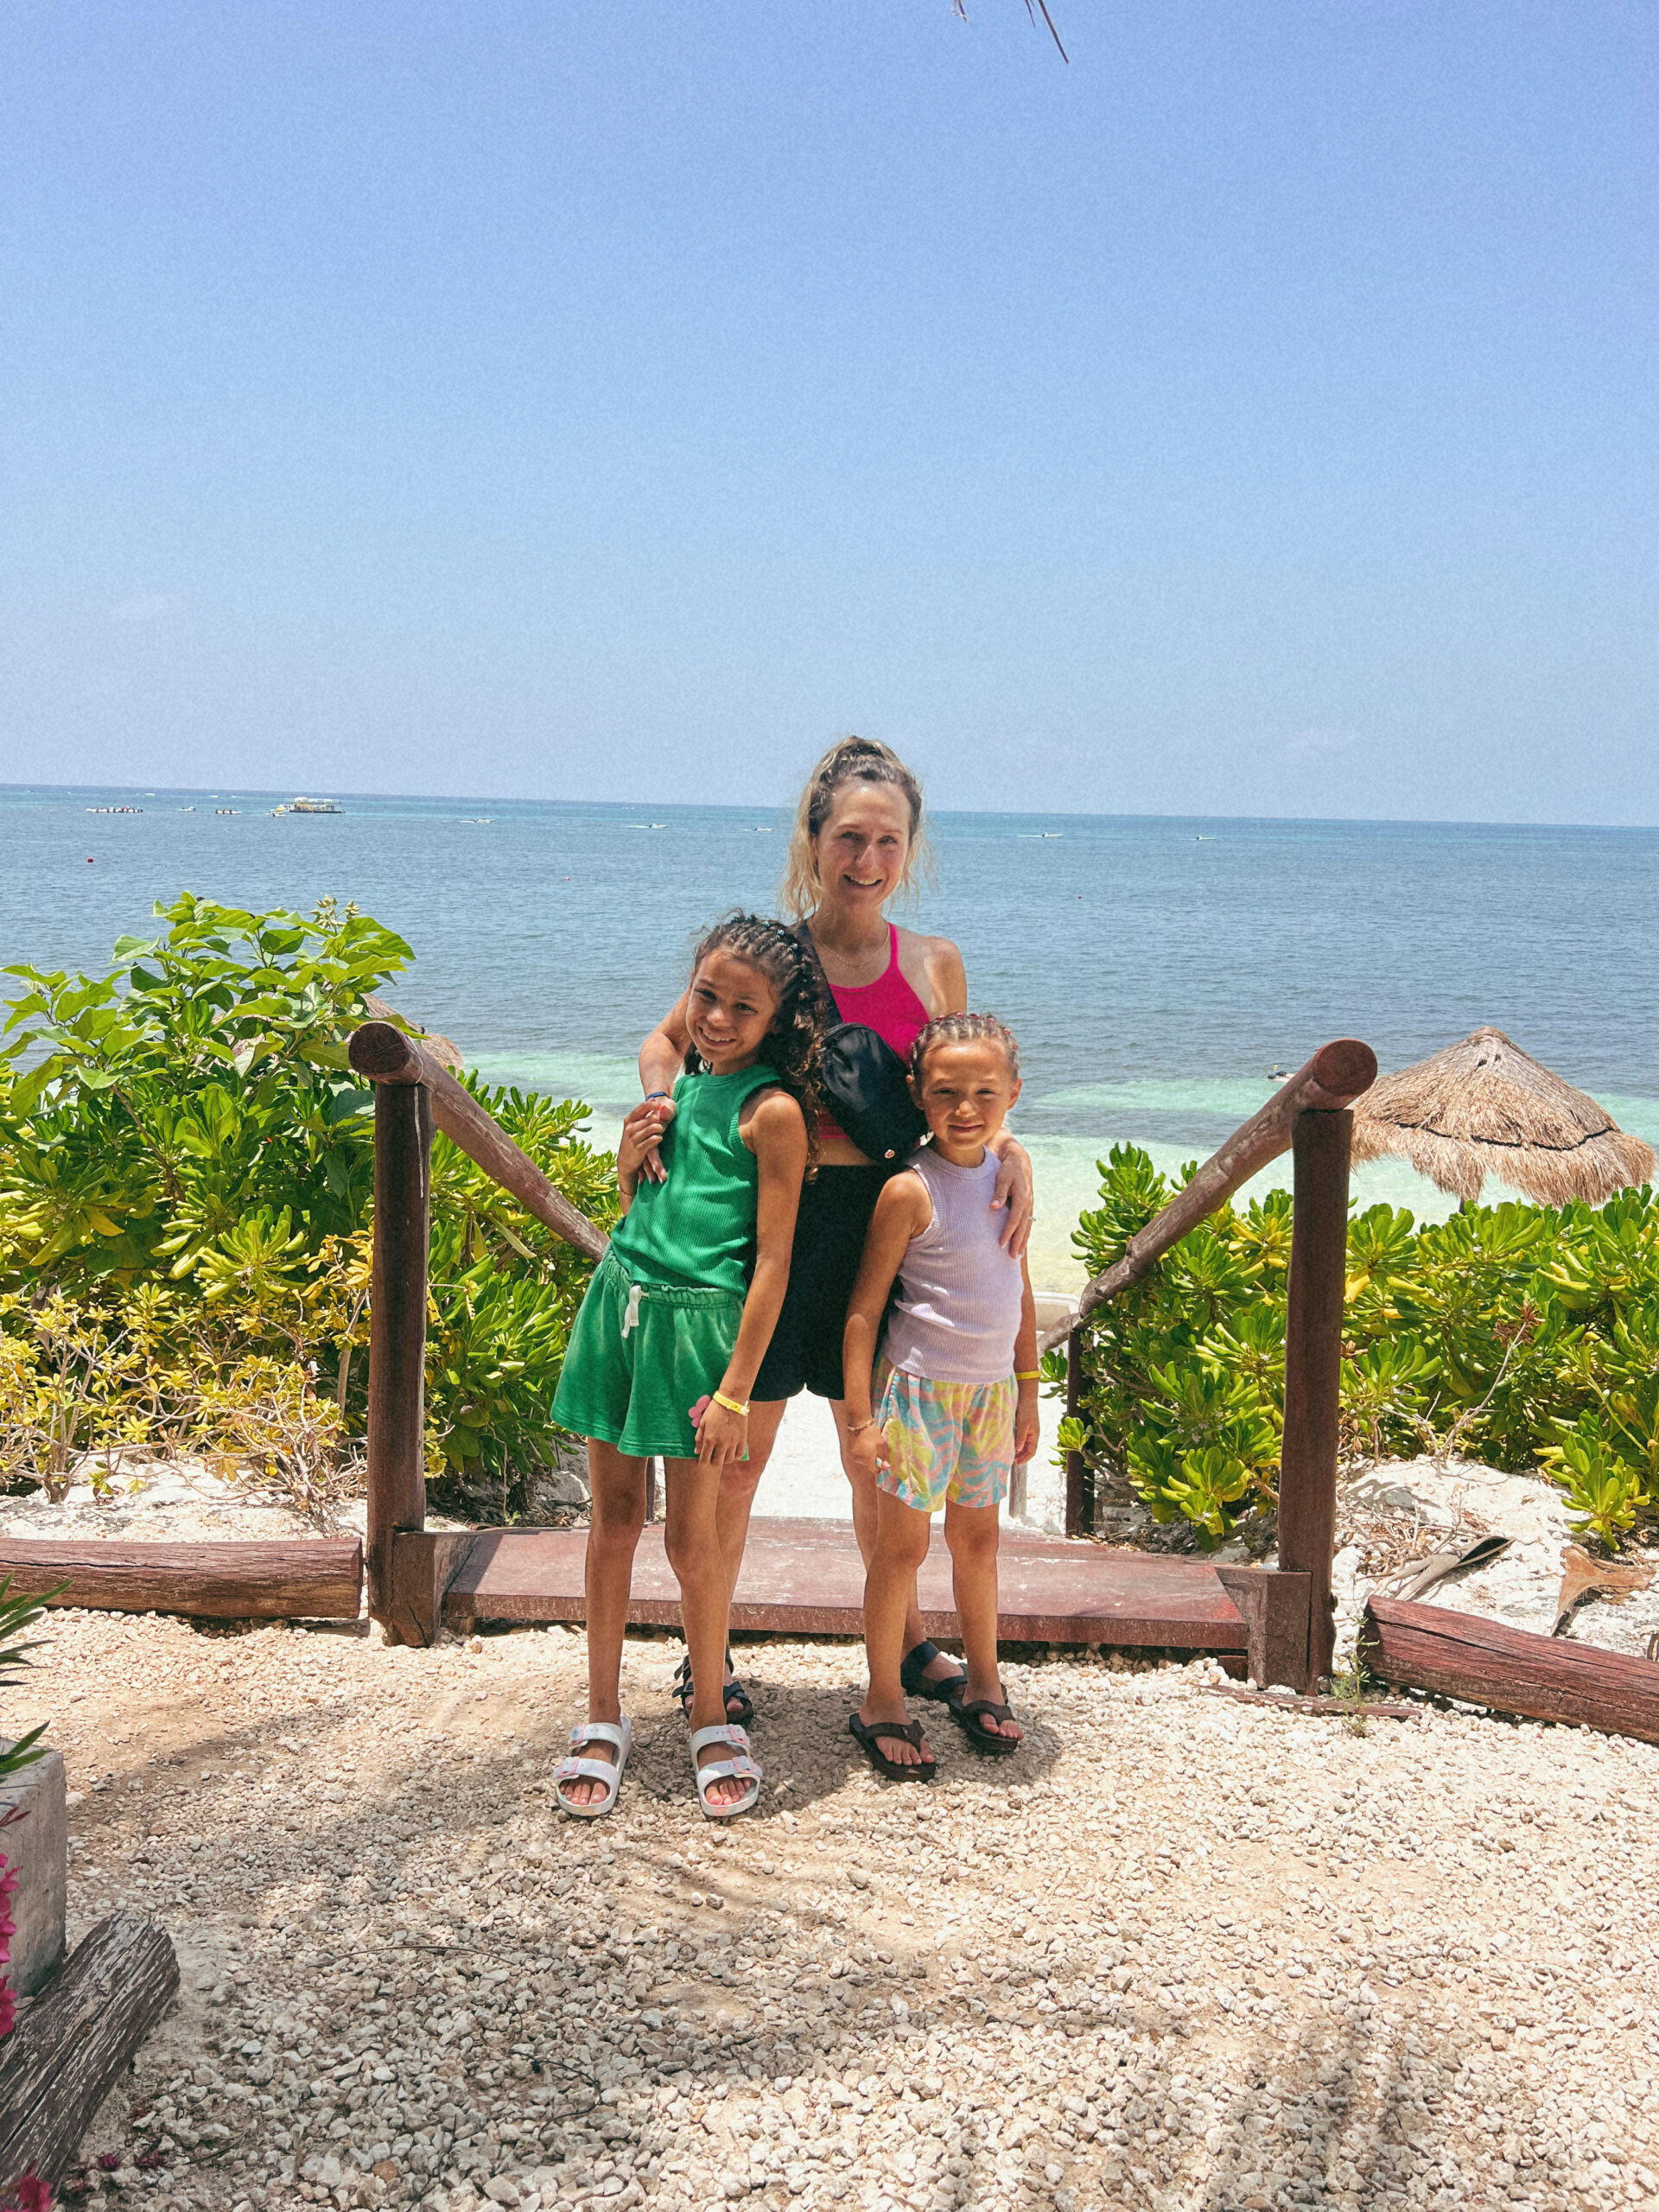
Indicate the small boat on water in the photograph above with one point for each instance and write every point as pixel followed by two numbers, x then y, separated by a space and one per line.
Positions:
pixel 308 806
pixel 226 809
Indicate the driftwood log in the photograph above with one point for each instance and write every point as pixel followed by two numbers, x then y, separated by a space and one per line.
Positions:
pixel 1336 1075
pixel 318 1578
pixel 1484 1663
pixel 386 1055
pixel 70 2049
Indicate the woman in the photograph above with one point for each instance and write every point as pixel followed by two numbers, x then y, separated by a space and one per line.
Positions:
pixel 857 844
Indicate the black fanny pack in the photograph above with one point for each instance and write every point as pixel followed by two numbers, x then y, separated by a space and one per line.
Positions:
pixel 865 1084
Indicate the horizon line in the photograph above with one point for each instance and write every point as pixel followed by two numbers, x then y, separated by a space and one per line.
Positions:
pixel 783 807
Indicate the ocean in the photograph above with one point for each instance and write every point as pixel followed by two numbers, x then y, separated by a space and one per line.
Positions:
pixel 1155 970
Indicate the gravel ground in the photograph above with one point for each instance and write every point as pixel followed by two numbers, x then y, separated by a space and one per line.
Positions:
pixel 1178 1952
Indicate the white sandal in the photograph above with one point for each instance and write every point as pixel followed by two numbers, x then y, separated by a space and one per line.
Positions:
pixel 741 1767
pixel 619 1735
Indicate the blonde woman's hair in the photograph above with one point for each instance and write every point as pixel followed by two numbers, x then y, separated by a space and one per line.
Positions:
pixel 849 761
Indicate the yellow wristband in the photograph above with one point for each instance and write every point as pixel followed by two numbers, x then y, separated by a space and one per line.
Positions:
pixel 1028 1375
pixel 731 1404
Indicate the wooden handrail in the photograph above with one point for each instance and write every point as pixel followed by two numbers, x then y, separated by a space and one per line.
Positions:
pixel 385 1054
pixel 1336 1075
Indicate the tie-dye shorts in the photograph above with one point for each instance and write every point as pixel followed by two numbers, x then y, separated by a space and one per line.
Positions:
pixel 946 1441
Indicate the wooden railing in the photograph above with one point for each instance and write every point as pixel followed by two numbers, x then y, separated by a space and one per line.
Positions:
pixel 1308 1116
pixel 414 1094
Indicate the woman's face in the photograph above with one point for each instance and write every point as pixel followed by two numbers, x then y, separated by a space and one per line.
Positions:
pixel 862 848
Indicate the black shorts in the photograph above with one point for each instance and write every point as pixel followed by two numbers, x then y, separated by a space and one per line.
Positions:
pixel 805 1348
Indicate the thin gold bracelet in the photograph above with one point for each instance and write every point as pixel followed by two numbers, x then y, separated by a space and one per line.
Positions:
pixel 732 1405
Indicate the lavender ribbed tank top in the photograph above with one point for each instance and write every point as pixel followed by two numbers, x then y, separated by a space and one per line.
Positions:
pixel 957 1312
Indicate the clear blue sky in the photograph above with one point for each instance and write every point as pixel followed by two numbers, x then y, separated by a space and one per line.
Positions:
pixel 619 400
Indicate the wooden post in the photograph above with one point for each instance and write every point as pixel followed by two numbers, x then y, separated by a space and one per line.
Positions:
pixel 1079 1476
pixel 1307 1476
pixel 403 1157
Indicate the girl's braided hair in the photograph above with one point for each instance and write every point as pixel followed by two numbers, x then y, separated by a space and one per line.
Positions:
pixel 849 761
pixel 963 1029
pixel 793 1047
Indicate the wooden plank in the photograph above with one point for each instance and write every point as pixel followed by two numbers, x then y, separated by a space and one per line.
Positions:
pixel 1488 1662
pixel 1336 1075
pixel 386 1056
pixel 73 2046
pixel 396 1442
pixel 424 1562
pixel 1273 1603
pixel 314 1579
pixel 1307 1472
pixel 806 1576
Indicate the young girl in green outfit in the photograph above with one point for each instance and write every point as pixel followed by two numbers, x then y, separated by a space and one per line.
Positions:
pixel 672 1329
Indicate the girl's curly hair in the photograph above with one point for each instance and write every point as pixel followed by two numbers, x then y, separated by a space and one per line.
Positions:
pixel 793 1047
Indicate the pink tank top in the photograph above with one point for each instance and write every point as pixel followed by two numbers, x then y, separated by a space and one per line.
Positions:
pixel 888 1006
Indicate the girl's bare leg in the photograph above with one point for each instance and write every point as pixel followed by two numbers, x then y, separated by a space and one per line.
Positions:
pixel 738 1483
pixel 866 1491
pixel 973 1534
pixel 617 1515
pixel 898 1549
pixel 693 1553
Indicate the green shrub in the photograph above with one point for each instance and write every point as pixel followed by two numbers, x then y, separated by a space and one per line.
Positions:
pixel 186 1200
pixel 1528 1335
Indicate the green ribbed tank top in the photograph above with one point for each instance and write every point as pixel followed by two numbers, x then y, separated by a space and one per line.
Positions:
pixel 697 1231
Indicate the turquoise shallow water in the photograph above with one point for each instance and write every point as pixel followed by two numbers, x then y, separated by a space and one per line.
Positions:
pixel 1155 970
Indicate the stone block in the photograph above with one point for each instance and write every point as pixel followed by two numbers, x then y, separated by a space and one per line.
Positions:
pixel 38 1848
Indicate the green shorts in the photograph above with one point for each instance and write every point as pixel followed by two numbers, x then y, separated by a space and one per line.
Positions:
pixel 640 1358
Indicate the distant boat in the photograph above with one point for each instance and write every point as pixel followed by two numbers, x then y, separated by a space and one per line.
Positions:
pixel 187 810
pixel 308 806
pixel 115 809
pixel 1053 833
pixel 225 809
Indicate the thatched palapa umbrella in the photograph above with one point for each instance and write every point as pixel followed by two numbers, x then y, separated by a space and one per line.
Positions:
pixel 1483 1107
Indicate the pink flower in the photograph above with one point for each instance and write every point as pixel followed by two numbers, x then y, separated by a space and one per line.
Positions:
pixel 28 2195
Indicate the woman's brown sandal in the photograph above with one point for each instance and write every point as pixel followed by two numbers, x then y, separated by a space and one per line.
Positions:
pixel 915 1680
pixel 740 1706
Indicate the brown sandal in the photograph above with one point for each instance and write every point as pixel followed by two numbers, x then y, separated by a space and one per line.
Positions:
pixel 869 1734
pixel 971 1719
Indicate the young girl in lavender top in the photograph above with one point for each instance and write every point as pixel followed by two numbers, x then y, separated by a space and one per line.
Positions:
pixel 951 1408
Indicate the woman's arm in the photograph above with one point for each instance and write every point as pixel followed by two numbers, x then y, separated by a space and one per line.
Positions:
pixel 776 1133
pixel 1015 1190
pixel 902 1212
pixel 662 1061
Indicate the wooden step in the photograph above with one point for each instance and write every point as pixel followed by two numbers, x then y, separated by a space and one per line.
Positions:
pixel 806 1576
